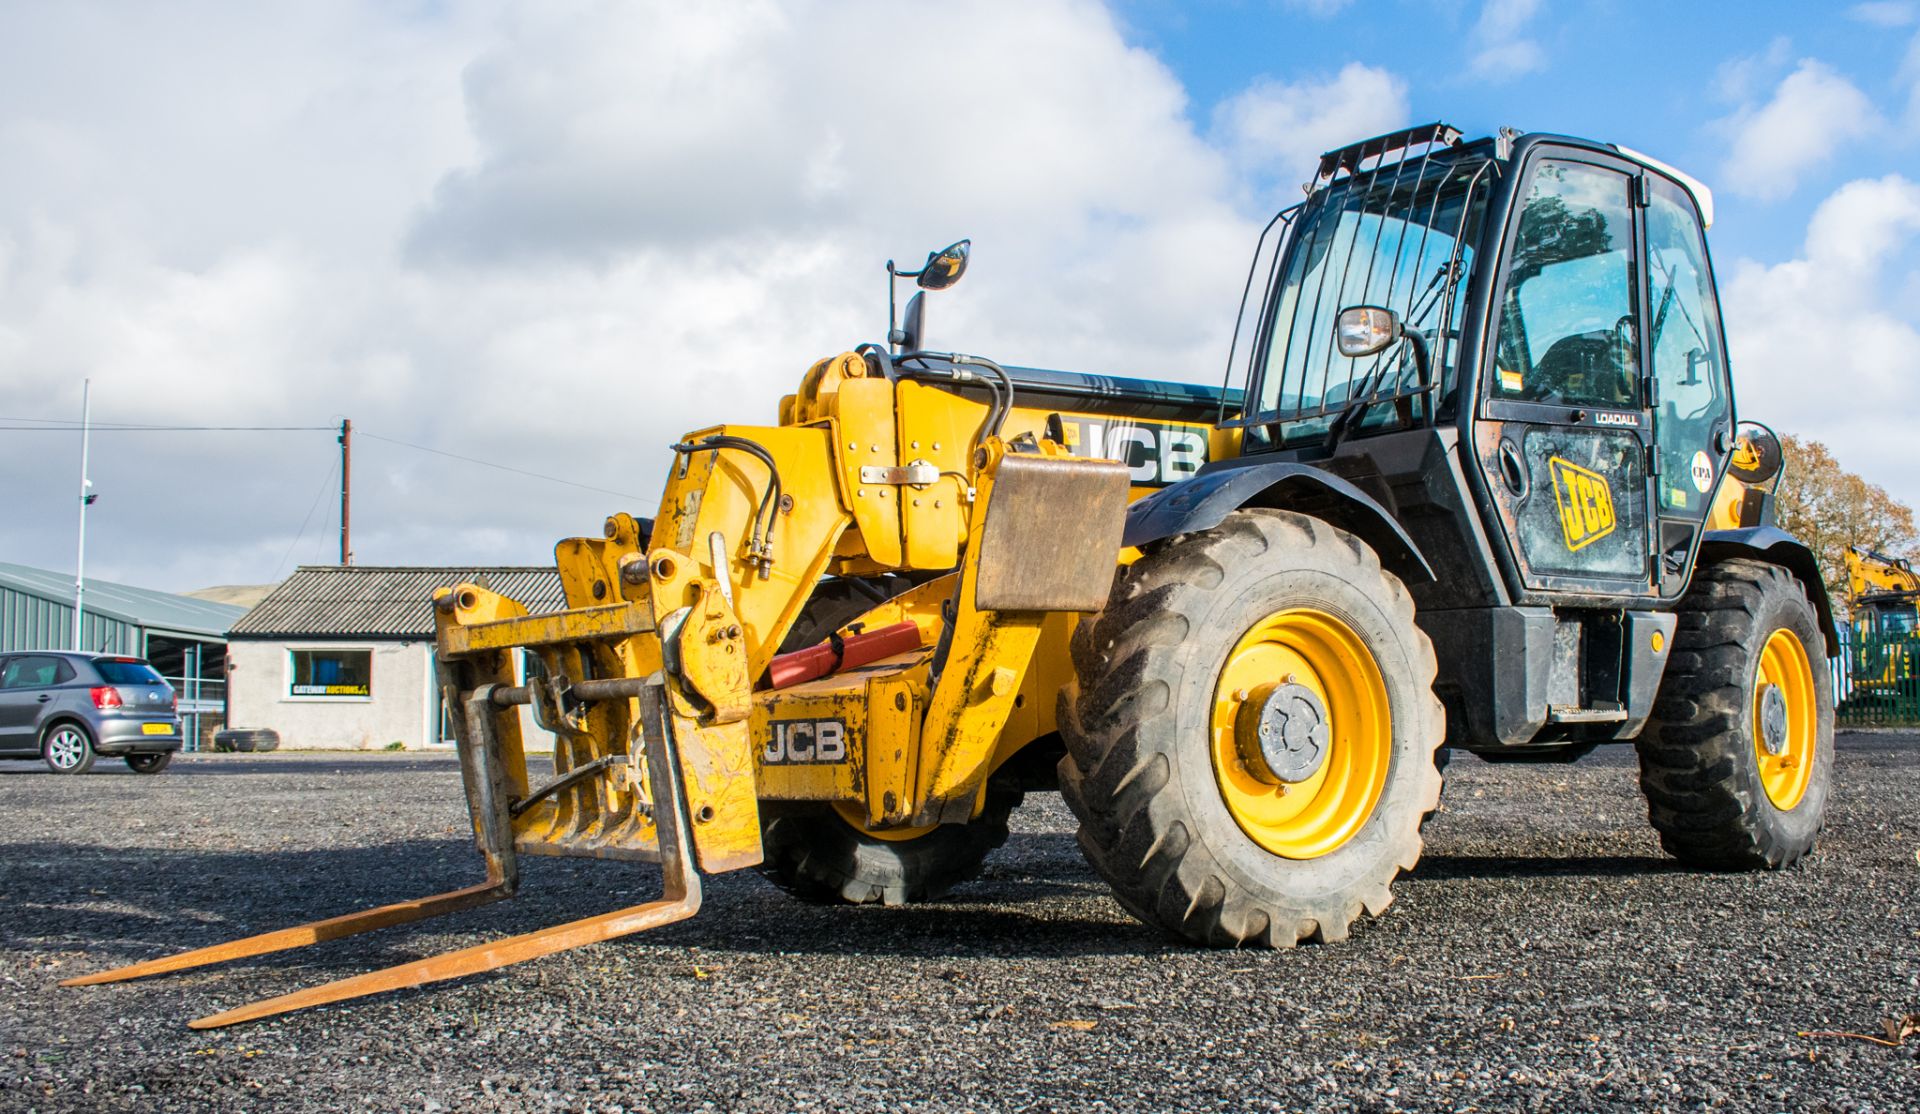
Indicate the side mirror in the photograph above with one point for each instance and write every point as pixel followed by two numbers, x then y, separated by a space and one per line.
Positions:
pixel 1365 330
pixel 944 267
pixel 1756 456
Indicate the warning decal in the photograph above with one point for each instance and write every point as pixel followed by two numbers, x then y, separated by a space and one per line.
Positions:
pixel 1702 472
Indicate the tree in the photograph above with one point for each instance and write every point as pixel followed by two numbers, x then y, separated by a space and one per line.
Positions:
pixel 1830 508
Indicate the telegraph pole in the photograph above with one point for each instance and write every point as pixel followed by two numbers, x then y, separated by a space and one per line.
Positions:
pixel 86 498
pixel 346 491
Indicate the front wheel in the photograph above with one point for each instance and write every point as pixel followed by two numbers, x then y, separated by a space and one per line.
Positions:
pixel 67 749
pixel 1251 733
pixel 1736 760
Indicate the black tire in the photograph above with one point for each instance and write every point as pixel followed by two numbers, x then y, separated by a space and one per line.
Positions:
pixel 1699 764
pixel 1139 772
pixel 149 763
pixel 818 857
pixel 67 748
pixel 246 740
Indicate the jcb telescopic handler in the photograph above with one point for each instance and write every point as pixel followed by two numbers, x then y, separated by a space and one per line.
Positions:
pixel 1883 601
pixel 1482 487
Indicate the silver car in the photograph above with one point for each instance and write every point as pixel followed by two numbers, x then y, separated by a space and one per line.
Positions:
pixel 66 708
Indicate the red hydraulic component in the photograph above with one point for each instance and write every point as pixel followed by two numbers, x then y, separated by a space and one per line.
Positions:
pixel 836 654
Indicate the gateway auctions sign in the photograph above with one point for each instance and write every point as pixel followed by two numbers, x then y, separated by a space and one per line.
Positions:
pixel 332 690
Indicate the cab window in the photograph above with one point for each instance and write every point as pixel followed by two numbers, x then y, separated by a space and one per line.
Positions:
pixel 1683 335
pixel 1567 319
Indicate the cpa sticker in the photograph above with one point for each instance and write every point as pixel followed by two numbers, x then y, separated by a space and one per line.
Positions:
pixel 1702 472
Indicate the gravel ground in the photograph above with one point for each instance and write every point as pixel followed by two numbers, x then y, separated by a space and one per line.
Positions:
pixel 1545 956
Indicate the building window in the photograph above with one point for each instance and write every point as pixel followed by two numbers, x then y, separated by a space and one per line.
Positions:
pixel 331 673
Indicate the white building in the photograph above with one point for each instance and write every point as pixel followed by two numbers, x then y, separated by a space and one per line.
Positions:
pixel 340 657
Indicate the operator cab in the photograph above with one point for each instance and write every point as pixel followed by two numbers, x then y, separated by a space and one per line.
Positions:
pixel 1513 344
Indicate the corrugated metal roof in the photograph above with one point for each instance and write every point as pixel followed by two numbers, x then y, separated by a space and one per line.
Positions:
pixel 370 601
pixel 142 607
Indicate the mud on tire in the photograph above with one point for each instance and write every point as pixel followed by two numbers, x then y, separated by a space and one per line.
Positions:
pixel 1139 771
pixel 1699 765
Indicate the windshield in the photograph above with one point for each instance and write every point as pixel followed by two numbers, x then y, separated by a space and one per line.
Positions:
pixel 1894 624
pixel 1399 237
pixel 126 671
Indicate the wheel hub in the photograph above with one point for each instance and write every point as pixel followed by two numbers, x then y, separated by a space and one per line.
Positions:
pixel 1282 732
pixel 1773 720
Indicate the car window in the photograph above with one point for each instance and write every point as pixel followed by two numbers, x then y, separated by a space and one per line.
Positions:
pixel 126 671
pixel 31 671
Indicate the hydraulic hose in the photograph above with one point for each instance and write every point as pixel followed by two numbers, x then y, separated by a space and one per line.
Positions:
pixel 760 539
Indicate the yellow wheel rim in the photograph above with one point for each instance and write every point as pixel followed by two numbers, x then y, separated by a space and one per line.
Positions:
pixel 1783 724
pixel 856 818
pixel 1324 808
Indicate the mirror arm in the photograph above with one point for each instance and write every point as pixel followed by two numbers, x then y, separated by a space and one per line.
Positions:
pixel 1422 357
pixel 894 339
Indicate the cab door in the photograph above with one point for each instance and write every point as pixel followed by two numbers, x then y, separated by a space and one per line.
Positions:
pixel 1563 430
pixel 1692 403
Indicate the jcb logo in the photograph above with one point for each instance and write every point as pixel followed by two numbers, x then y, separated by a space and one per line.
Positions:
pixel 1586 504
pixel 1155 454
pixel 805 742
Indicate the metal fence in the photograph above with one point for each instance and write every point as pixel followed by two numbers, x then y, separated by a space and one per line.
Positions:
pixel 203 709
pixel 1876 680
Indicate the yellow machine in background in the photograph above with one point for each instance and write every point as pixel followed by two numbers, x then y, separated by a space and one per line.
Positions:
pixel 1883 597
pixel 1884 592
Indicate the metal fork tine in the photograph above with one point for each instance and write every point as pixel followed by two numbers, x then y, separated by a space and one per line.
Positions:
pixel 300 936
pixel 480 769
pixel 472 961
pixel 679 900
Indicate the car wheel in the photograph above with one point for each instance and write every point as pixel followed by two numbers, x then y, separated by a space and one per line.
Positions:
pixel 149 763
pixel 67 749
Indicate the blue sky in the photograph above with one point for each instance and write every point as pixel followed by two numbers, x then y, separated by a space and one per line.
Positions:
pixel 557 234
pixel 1664 78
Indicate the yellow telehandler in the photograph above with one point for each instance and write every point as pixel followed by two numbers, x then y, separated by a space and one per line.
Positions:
pixel 1481 487
pixel 1883 602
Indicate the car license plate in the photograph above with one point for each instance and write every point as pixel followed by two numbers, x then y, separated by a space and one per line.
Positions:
pixel 156 729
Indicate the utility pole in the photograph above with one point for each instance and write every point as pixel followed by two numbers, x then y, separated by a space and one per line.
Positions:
pixel 86 499
pixel 346 491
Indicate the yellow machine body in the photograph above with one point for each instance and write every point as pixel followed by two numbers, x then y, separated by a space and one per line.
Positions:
pixel 876 476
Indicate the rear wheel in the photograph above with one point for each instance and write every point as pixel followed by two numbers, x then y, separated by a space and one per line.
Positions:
pixel 1735 762
pixel 149 763
pixel 824 854
pixel 1251 733
pixel 67 749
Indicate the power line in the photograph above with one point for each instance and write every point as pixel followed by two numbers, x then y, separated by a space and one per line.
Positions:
pixel 67 425
pixel 332 470
pixel 52 425
pixel 501 467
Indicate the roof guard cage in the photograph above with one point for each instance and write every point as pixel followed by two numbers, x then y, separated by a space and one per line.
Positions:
pixel 1379 147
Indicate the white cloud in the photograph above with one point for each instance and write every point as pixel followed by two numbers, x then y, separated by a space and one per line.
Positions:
pixel 1502 48
pixel 1738 80
pixel 1320 8
pixel 1884 13
pixel 555 237
pixel 1823 345
pixel 1811 114
pixel 1282 128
